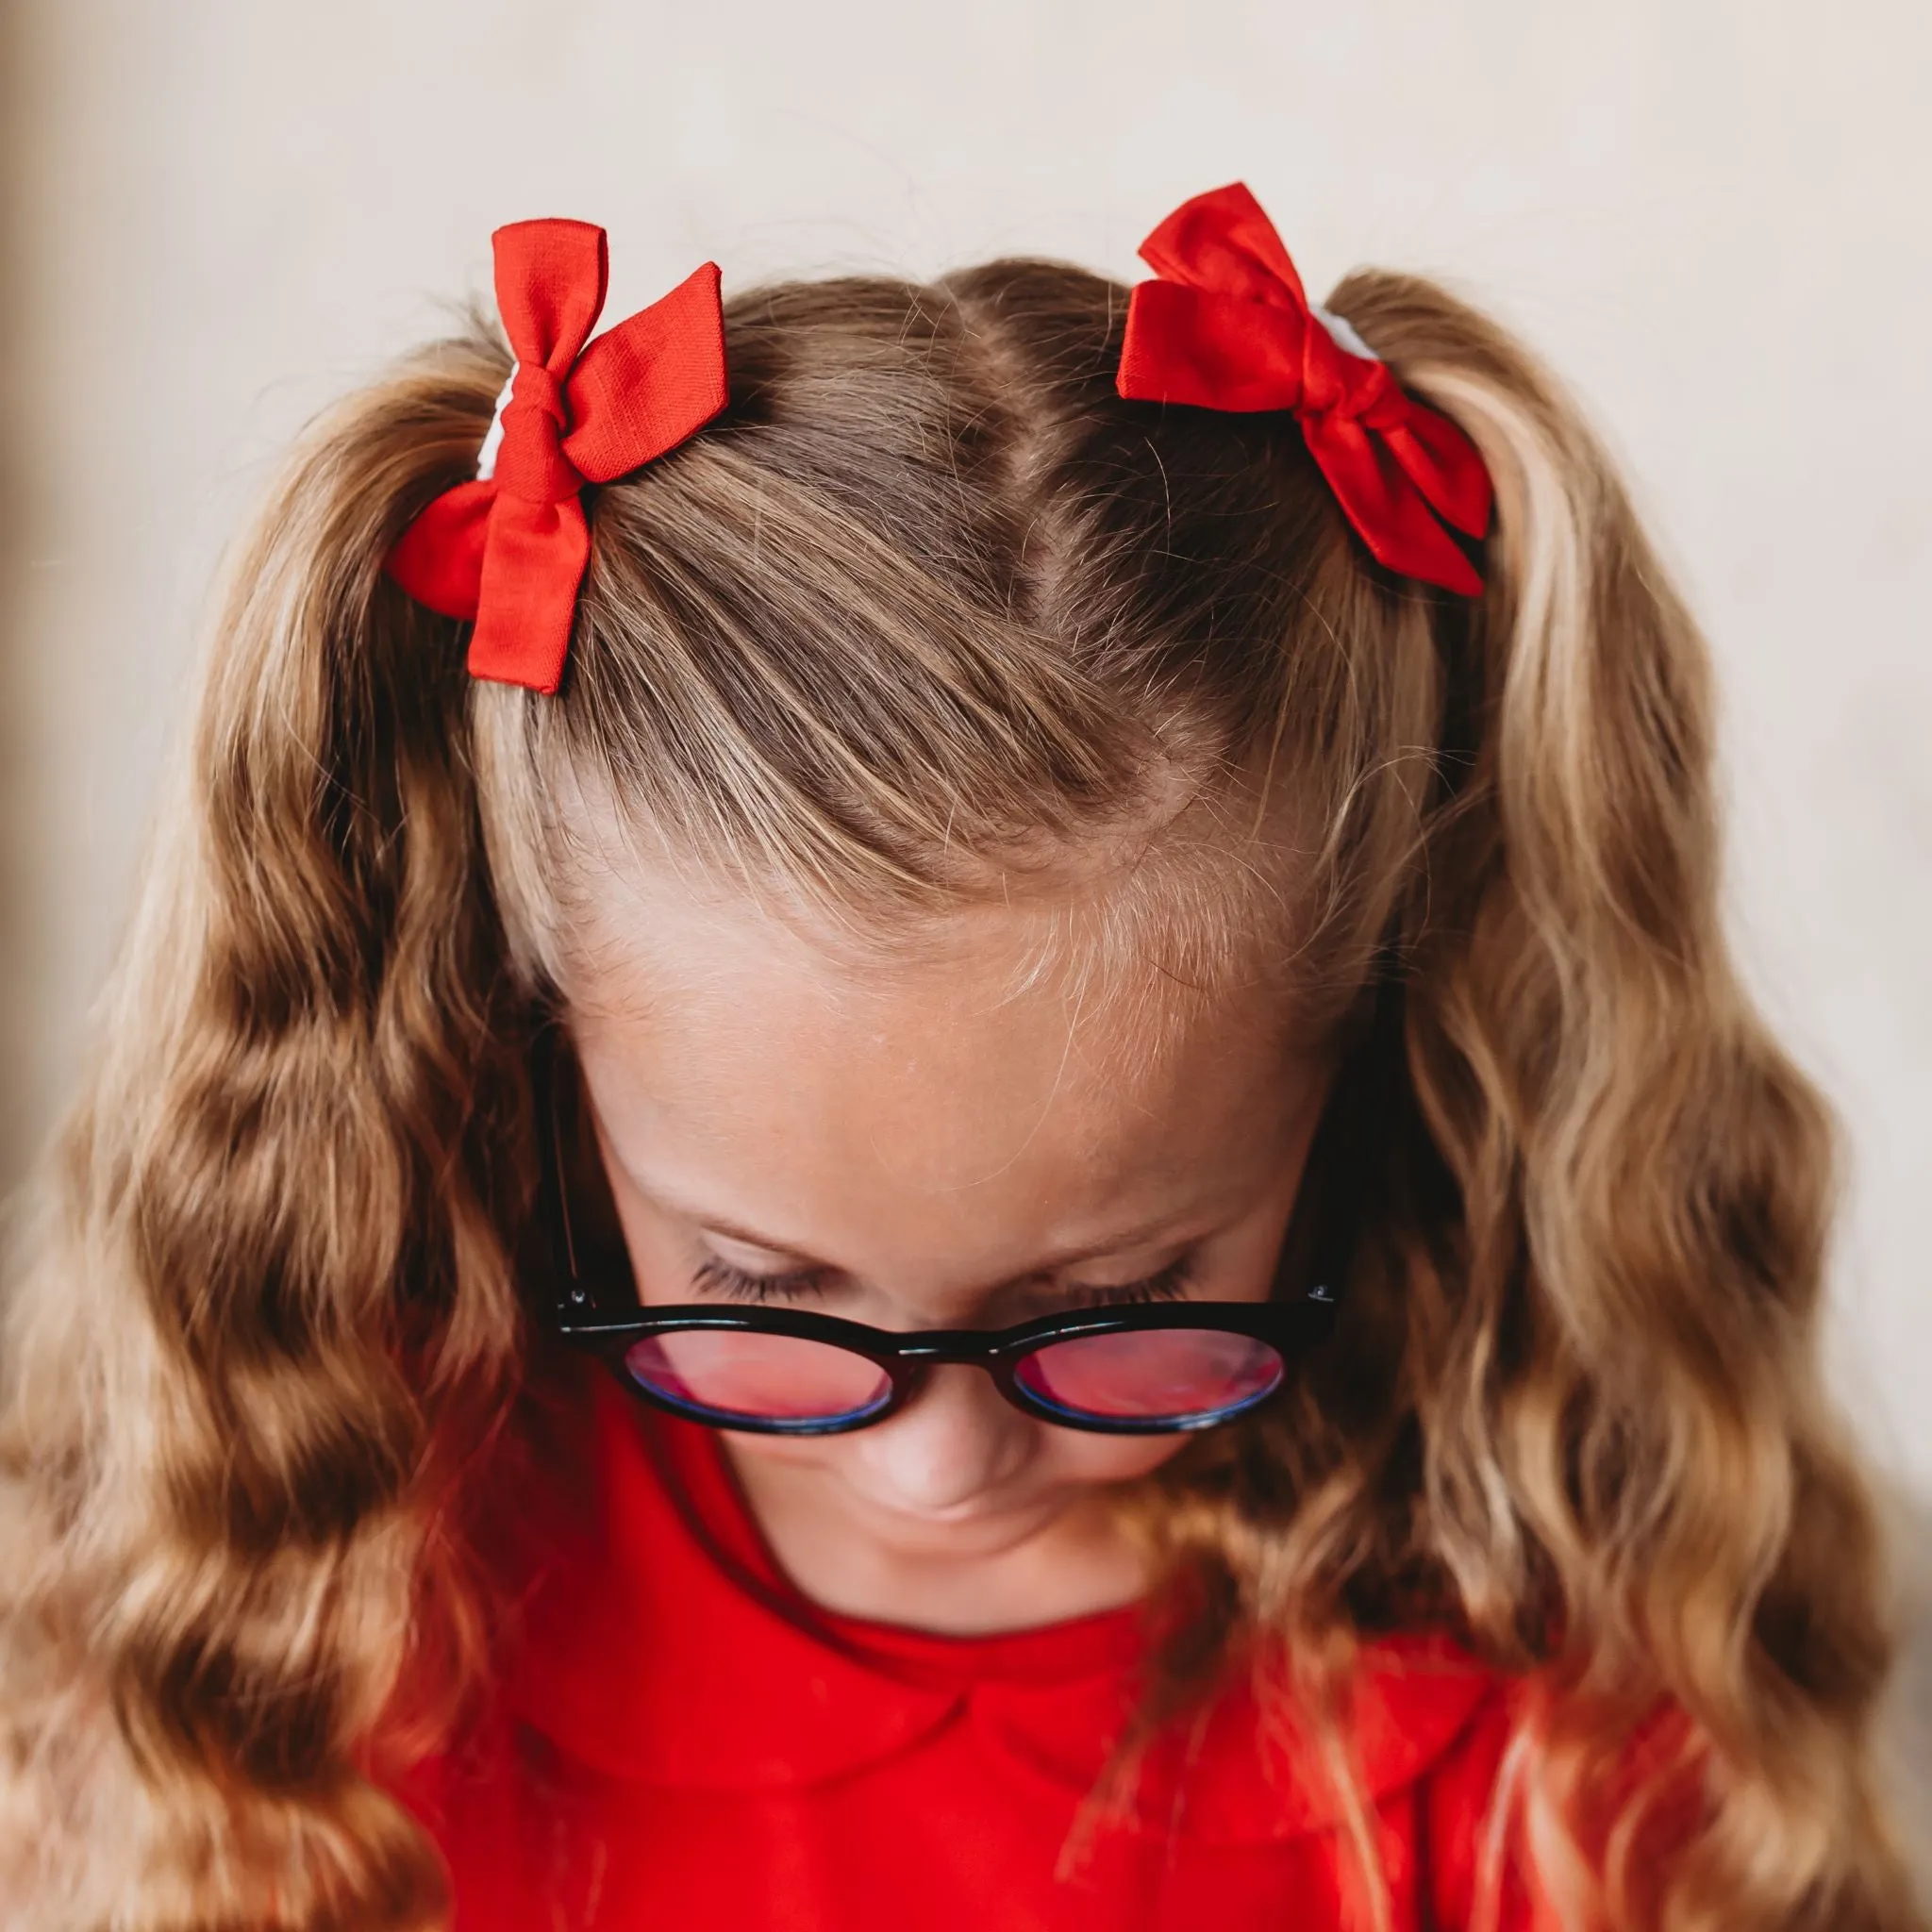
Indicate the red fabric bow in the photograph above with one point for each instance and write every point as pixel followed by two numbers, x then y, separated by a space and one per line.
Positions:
pixel 1227 326
pixel 508 550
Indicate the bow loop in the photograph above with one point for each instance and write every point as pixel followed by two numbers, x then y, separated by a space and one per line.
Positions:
pixel 1228 326
pixel 1224 243
pixel 551 279
pixel 509 549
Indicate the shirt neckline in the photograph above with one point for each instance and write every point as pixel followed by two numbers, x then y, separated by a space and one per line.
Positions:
pixel 655 1640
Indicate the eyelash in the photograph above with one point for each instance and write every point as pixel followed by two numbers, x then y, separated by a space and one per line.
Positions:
pixel 738 1284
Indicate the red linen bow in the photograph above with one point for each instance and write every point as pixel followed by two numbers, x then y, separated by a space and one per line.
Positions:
pixel 509 549
pixel 1227 326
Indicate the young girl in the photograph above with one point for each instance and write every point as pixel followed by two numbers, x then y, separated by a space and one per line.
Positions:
pixel 931 1116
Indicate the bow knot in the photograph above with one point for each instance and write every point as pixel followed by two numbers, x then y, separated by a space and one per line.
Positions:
pixel 535 387
pixel 1227 326
pixel 1334 383
pixel 531 463
pixel 509 549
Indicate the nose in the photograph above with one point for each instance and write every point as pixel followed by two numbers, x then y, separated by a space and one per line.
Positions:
pixel 956 1437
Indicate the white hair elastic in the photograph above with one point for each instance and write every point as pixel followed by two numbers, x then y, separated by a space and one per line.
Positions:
pixel 492 440
pixel 1341 332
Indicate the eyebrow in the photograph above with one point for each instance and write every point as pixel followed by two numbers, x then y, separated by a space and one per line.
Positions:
pixel 1124 1237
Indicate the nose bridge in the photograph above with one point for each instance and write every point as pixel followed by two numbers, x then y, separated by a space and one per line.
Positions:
pixel 946 1345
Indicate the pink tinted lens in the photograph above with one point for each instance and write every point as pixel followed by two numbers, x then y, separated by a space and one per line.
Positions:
pixel 1151 1374
pixel 766 1377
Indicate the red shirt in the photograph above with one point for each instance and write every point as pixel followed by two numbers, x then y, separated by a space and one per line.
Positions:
pixel 679 1739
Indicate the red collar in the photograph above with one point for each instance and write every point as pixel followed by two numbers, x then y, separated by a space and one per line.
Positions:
pixel 661 1645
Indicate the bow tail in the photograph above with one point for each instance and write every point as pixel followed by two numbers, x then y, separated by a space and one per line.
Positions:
pixel 532 565
pixel 438 558
pixel 1386 504
pixel 1439 459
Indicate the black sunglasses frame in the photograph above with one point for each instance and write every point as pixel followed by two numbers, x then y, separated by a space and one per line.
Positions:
pixel 1289 1329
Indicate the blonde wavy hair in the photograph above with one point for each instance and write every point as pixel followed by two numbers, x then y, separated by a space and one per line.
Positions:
pixel 928 596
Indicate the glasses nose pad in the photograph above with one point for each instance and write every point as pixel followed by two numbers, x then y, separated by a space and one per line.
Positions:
pixel 909 1382
pixel 914 1379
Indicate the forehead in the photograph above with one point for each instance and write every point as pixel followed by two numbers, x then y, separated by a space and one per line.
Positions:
pixel 1002 1049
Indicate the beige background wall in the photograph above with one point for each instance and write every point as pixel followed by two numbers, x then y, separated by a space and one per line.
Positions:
pixel 1711 214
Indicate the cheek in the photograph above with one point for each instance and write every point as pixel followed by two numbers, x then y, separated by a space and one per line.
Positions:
pixel 1080 1456
pixel 791 1451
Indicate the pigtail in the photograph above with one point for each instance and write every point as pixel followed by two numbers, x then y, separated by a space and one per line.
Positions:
pixel 269 1304
pixel 1630 1474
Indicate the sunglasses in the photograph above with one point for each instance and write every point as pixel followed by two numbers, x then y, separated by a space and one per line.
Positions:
pixel 1137 1371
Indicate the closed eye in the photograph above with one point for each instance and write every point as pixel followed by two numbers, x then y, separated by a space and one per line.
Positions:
pixel 741 1285
pixel 1170 1284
